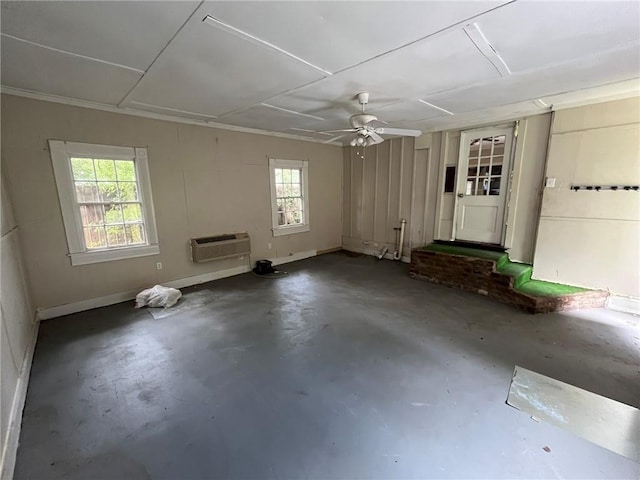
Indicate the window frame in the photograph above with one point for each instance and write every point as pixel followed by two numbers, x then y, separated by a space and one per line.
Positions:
pixel 61 152
pixel 303 165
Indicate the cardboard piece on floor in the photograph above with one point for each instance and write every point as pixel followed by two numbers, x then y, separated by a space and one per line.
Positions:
pixel 188 301
pixel 605 422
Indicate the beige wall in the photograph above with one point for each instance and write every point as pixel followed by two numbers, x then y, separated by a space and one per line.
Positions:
pixel 592 239
pixel 17 330
pixel 526 185
pixel 394 180
pixel 205 181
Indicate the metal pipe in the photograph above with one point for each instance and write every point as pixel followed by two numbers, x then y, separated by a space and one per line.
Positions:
pixel 397 255
pixel 381 255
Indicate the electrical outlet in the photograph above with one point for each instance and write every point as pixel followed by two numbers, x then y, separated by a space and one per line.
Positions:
pixel 159 266
pixel 551 182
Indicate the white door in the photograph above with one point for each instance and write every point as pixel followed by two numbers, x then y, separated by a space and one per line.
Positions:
pixel 483 173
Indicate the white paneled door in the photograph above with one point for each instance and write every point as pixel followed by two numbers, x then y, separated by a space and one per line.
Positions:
pixel 482 185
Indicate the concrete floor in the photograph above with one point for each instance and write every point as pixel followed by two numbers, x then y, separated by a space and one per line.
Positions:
pixel 347 368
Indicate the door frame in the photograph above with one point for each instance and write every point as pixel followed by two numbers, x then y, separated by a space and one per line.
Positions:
pixel 465 136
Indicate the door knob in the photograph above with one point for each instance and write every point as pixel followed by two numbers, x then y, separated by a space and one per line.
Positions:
pixel 460 195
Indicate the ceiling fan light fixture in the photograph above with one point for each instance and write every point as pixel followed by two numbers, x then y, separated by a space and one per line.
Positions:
pixel 354 143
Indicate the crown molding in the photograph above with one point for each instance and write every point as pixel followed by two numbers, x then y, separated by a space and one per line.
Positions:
pixel 46 97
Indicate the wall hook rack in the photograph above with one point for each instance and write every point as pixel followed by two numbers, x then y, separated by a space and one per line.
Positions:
pixel 597 188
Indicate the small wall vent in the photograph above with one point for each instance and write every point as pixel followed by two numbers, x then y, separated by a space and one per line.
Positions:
pixel 206 249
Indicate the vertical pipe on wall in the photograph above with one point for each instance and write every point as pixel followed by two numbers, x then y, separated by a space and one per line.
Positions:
pixel 397 255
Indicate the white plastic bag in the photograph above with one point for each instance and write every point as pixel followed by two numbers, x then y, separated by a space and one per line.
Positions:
pixel 158 296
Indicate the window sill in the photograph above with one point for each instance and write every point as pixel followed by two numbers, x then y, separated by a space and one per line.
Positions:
pixel 281 231
pixel 85 258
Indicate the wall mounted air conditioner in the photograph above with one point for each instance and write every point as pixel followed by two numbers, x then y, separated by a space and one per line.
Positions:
pixel 206 249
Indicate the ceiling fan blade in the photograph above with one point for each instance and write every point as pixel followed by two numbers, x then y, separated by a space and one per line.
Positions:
pixel 343 130
pixel 335 138
pixel 398 131
pixel 376 138
pixel 374 123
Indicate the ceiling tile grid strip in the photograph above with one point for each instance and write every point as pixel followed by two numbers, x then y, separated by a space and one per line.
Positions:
pixel 125 99
pixel 72 54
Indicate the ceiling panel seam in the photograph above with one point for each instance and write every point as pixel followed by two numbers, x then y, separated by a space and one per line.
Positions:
pixel 225 27
pixel 75 102
pixel 475 35
pixel 130 92
pixel 535 70
pixel 206 115
pixel 436 107
pixel 446 29
pixel 291 111
pixel 72 54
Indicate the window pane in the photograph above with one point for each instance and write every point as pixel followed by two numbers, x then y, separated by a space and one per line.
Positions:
pixel 126 170
pixel 108 191
pixel 495 186
pixel 91 215
pixel 286 175
pixel 86 192
pixel 94 237
pixel 278 172
pixel 105 170
pixel 128 191
pixel 449 179
pixel 290 190
pixel 484 170
pixel 295 176
pixel 112 214
pixel 135 234
pixel 483 186
pixel 294 204
pixel 470 190
pixel 496 169
pixel 279 190
pixel 115 235
pixel 132 212
pixel 82 169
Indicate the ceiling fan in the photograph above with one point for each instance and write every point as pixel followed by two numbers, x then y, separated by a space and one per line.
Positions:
pixel 366 128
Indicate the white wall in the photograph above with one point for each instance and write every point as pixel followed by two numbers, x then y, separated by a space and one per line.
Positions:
pixel 205 182
pixel 395 180
pixel 17 337
pixel 592 239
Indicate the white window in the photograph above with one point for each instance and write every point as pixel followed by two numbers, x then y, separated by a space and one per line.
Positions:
pixel 105 196
pixel 289 196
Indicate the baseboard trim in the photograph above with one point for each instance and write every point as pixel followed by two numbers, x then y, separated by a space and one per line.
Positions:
pixel 624 304
pixel 294 257
pixel 207 277
pixel 374 253
pixel 329 250
pixel 12 439
pixel 81 306
pixel 75 307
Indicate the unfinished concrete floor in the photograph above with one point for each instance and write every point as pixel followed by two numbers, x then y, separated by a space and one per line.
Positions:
pixel 347 368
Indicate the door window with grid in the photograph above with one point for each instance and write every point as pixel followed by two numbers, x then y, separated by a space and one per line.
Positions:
pixel 486 156
pixel 105 197
pixel 289 196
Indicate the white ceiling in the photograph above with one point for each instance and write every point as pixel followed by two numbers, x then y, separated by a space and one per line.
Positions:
pixel 295 67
